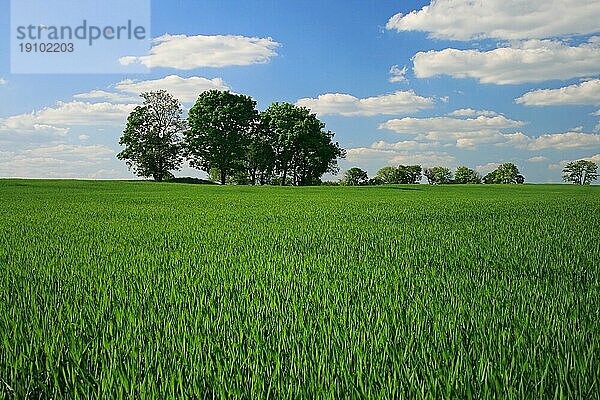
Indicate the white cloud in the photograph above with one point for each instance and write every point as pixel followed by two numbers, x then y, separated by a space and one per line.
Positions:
pixel 564 141
pixel 83 137
pixel 109 96
pixel 188 52
pixel 400 102
pixel 596 113
pixel 92 152
pixel 30 124
pixel 594 158
pixel 587 92
pixel 371 156
pixel 69 114
pixel 403 145
pixel 468 132
pixel 501 19
pixel 184 89
pixel 520 62
pixel 537 159
pixel 56 161
pixel 469 112
pixel 397 74
pixel 486 168
pixel 3 81
pixel 552 141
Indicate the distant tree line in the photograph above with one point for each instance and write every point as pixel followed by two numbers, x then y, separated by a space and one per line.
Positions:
pixel 227 137
pixel 409 174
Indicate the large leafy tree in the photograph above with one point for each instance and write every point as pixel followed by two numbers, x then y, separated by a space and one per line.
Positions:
pixel 580 172
pixel 504 174
pixel 221 124
pixel 402 174
pixel 355 177
pixel 466 175
pixel 409 174
pixel 387 174
pixel 302 149
pixel 152 136
pixel 438 175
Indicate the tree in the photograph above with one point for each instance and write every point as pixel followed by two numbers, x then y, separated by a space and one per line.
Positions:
pixel 466 175
pixel 220 128
pixel 260 156
pixel 152 136
pixel 408 174
pixel 438 175
pixel 301 147
pixel 504 174
pixel 387 174
pixel 355 177
pixel 580 172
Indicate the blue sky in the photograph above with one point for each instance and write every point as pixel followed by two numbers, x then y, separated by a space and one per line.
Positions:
pixel 473 85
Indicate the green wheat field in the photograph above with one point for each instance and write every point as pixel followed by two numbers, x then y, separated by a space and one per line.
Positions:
pixel 140 290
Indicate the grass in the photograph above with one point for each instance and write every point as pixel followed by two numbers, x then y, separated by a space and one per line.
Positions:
pixel 141 290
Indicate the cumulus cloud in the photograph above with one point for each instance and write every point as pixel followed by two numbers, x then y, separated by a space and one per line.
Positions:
pixel 3 81
pixel 57 161
pixel 583 93
pixel 25 124
pixel 71 113
pixel 400 102
pixel 564 141
pixel 403 145
pixel 501 19
pixel 552 141
pixel 108 96
pixel 188 52
pixel 468 132
pixel 519 62
pixel 536 159
pixel 486 168
pixel 469 112
pixel 184 89
pixel 381 157
pixel 397 74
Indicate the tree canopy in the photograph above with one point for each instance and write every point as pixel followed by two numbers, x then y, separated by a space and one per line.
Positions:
pixel 505 174
pixel 403 174
pixel 580 172
pixel 355 177
pixel 220 129
pixel 302 149
pixel 466 175
pixel 438 175
pixel 152 136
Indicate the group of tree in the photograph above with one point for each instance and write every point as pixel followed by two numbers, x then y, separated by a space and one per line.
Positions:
pixel 227 137
pixel 407 174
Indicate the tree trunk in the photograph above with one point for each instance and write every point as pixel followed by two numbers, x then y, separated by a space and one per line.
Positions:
pixel 283 177
pixel 223 177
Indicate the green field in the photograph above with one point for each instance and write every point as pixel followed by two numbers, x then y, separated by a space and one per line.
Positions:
pixel 143 290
